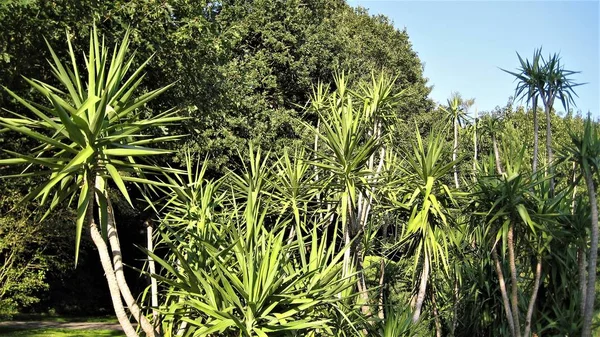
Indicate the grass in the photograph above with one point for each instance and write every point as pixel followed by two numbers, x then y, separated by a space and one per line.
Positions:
pixel 59 333
pixel 63 319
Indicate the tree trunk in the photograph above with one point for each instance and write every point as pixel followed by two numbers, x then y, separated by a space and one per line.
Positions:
pixel 497 155
pixel 581 265
pixel 455 306
pixel 536 287
pixel 152 269
pixel 475 144
pixel 510 243
pixel 115 246
pixel 549 143
pixel 536 129
pixel 436 316
pixel 422 289
pixel 580 251
pixel 455 152
pixel 381 287
pixel 107 266
pixel 591 283
pixel 503 292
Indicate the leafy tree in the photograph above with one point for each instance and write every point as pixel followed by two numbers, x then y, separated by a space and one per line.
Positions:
pixel 86 133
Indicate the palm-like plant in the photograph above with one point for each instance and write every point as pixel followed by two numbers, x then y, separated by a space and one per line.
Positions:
pixel 584 150
pixel 428 227
pixel 255 279
pixel 91 133
pixel 492 125
pixel 530 77
pixel 457 115
pixel 556 84
pixel 514 213
pixel 351 136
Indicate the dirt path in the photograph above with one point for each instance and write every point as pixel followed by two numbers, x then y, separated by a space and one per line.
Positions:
pixel 25 325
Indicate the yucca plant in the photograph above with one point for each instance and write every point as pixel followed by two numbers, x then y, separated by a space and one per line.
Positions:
pixel 530 77
pixel 351 153
pixel 584 150
pixel 428 229
pixel 517 212
pixel 91 133
pixel 253 281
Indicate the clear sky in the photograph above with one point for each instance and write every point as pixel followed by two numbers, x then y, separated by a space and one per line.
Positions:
pixel 463 43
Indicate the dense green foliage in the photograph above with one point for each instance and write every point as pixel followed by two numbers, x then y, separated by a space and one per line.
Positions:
pixel 308 187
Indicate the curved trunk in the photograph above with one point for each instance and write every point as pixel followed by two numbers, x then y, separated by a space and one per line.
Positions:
pixel 107 266
pixel 536 288
pixel 536 131
pixel 115 246
pixel 422 289
pixel 503 292
pixel 514 286
pixel 591 283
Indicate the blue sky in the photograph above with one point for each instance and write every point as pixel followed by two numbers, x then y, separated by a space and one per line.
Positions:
pixel 463 43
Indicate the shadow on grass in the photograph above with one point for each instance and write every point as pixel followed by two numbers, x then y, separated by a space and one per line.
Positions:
pixel 8 332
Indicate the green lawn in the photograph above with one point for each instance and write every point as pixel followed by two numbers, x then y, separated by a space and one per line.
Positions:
pixel 63 319
pixel 59 333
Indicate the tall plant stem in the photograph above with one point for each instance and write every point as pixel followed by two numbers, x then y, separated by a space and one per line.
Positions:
pixel 455 307
pixel 536 131
pixel 107 266
pixel 381 287
pixel 503 292
pixel 592 260
pixel 436 315
pixel 536 287
pixel 455 152
pixel 152 269
pixel 115 246
pixel 422 289
pixel 497 155
pixel 514 286
pixel 475 143
pixel 549 103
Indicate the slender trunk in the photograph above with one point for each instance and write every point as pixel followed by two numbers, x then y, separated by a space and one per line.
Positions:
pixel 497 155
pixel 455 307
pixel 115 246
pixel 381 287
pixel 536 287
pixel 514 286
pixel 475 143
pixel 362 286
pixel 582 278
pixel 152 269
pixel 591 283
pixel 580 251
pixel 422 289
pixel 315 148
pixel 455 152
pixel 436 316
pixel 549 143
pixel 536 130
pixel 107 266
pixel 505 300
pixel 346 262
